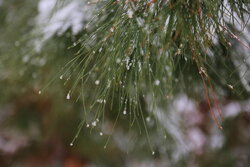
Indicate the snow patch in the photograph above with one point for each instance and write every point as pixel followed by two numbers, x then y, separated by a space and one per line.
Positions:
pixel 55 18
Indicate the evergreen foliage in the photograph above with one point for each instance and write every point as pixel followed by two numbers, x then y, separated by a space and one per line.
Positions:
pixel 126 69
pixel 138 50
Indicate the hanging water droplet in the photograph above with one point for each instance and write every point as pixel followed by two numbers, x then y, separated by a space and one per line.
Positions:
pixel 68 96
pixel 230 86
pixel 178 52
pixel 153 153
pixel 101 133
pixel 100 50
pixel 39 92
pixel 112 29
pixel 118 61
pixel 74 43
pixel 87 125
pixel 71 144
pixel 61 77
pixel 148 119
pixel 94 123
pixel 99 100
pixel 157 82
pixel 97 82
pixel 124 112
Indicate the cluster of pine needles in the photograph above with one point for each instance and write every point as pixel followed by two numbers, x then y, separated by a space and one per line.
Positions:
pixel 137 54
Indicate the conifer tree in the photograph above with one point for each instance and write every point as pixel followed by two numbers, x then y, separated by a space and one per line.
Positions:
pixel 139 50
pixel 125 64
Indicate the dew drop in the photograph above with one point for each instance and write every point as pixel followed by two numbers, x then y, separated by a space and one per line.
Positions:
pixel 97 82
pixel 94 123
pixel 61 77
pixel 148 119
pixel 71 144
pixel 157 82
pixel 153 153
pixel 178 52
pixel 68 96
pixel 101 133
pixel 124 112
pixel 39 92
pixel 230 86
pixel 118 61
pixel 112 29
pixel 100 50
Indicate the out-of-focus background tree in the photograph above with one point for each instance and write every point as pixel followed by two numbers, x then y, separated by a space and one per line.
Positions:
pixel 36 128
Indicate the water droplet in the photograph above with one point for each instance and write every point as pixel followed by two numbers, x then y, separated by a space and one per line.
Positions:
pixel 68 96
pixel 118 61
pixel 39 92
pixel 153 153
pixel 101 133
pixel 230 86
pixel 97 82
pixel 100 50
pixel 112 29
pixel 87 125
pixel 124 112
pixel 61 77
pixel 178 52
pixel 148 119
pixel 71 144
pixel 157 82
pixel 99 100
pixel 94 123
